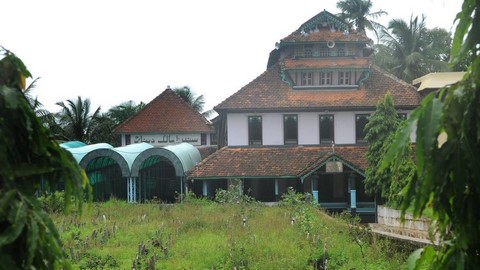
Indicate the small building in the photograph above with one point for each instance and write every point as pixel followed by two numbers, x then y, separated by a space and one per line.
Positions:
pixel 137 172
pixel 167 120
pixel 300 123
pixel 159 145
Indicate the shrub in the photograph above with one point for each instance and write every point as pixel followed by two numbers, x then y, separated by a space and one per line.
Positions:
pixel 52 202
pixel 234 194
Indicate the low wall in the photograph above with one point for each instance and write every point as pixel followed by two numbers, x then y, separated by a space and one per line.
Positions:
pixel 391 217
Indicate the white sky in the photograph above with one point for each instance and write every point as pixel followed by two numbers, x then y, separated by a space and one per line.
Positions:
pixel 112 51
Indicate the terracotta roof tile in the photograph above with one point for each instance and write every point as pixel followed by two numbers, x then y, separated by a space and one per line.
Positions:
pixel 166 113
pixel 273 161
pixel 269 92
pixel 325 35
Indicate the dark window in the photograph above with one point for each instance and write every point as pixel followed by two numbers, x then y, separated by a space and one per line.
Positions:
pixel 307 78
pixel 290 129
pixel 344 77
pixel 127 139
pixel 213 138
pixel 308 50
pixel 324 51
pixel 255 130
pixel 326 78
pixel 326 129
pixel 203 139
pixel 360 121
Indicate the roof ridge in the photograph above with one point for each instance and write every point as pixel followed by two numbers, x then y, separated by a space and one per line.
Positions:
pixel 165 94
pixel 141 110
pixel 391 76
pixel 191 108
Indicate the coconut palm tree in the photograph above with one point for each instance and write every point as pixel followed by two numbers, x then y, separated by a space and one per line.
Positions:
pixel 405 50
pixel 357 14
pixel 189 97
pixel 123 111
pixel 197 103
pixel 76 119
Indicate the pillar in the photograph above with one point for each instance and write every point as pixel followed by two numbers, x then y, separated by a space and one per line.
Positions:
pixel 204 188
pixel 132 190
pixel 353 193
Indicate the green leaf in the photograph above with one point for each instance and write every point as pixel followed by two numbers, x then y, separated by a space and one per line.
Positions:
pixel 413 258
pixel 32 241
pixel 7 262
pixel 17 218
pixel 426 259
pixel 5 201
pixel 427 131
pixel 402 138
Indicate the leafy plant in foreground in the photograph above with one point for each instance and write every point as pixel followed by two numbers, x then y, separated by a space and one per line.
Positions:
pixel 447 155
pixel 28 155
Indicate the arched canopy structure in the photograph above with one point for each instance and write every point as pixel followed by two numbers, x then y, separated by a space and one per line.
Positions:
pixel 72 144
pixel 183 157
pixel 130 158
pixel 80 152
pixel 136 171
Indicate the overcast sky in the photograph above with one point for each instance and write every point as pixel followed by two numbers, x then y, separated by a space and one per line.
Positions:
pixel 112 51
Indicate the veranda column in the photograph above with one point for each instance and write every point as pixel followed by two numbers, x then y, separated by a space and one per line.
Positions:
pixel 132 190
pixel 353 194
pixel 204 188
pixel 277 190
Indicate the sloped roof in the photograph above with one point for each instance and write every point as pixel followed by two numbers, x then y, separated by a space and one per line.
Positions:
pixel 269 93
pixel 309 31
pixel 437 80
pixel 324 35
pixel 167 113
pixel 273 161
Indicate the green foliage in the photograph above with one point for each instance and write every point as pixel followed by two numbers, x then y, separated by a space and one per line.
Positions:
pixel 212 236
pixel 361 235
pixel 357 13
pixel 234 194
pixel 387 183
pixel 28 154
pixel 196 102
pixel 76 120
pixel 52 202
pixel 447 155
pixel 407 51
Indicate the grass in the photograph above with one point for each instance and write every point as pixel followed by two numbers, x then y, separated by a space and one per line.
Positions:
pixel 206 235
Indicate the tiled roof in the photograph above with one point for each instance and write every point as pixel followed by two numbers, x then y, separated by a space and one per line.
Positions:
pixel 327 63
pixel 318 29
pixel 273 161
pixel 269 93
pixel 167 113
pixel 325 35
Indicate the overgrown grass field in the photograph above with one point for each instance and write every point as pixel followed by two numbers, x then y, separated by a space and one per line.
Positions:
pixel 205 235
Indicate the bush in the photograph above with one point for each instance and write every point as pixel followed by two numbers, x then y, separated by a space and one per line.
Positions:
pixel 234 194
pixel 52 202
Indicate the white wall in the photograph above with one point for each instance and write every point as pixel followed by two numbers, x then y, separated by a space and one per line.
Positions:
pixel 344 127
pixel 237 129
pixel 308 128
pixel 272 128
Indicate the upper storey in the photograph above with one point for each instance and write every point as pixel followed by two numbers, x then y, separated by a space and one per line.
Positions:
pixel 323 65
pixel 323 53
